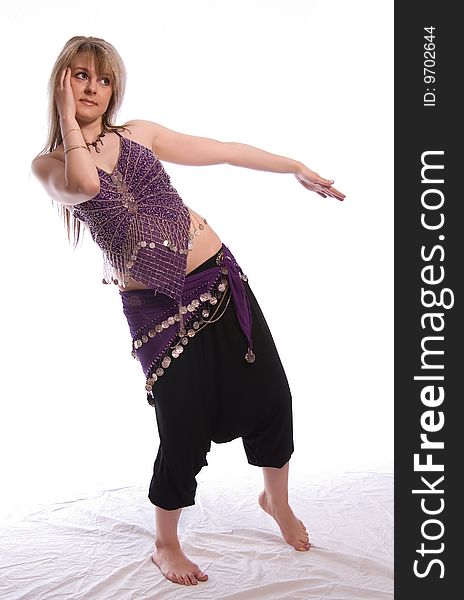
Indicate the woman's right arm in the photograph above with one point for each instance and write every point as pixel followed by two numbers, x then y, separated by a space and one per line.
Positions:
pixel 76 179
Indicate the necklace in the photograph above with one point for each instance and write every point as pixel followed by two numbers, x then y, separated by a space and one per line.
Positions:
pixel 97 139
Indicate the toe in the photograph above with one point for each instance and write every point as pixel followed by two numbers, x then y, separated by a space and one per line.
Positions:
pixel 302 544
pixel 192 578
pixel 186 580
pixel 201 576
pixel 172 577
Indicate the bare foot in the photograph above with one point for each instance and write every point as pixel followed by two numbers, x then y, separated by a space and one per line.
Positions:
pixel 175 566
pixel 292 529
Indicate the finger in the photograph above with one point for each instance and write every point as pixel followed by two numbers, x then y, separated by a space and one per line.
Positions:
pixel 337 193
pixel 338 196
pixel 322 181
pixel 62 78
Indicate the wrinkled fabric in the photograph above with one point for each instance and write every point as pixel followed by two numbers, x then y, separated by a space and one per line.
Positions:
pixel 97 546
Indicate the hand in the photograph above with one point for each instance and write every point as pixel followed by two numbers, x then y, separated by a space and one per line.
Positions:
pixel 64 97
pixel 313 182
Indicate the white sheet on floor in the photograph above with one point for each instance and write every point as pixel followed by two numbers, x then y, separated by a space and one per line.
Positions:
pixel 99 548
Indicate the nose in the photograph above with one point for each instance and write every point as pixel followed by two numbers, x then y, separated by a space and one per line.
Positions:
pixel 91 86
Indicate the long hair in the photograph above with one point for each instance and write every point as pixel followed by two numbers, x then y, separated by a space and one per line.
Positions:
pixel 107 60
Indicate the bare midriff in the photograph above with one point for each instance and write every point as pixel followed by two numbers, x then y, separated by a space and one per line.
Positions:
pixel 204 245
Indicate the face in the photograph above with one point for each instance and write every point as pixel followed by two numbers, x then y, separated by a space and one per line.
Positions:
pixel 92 91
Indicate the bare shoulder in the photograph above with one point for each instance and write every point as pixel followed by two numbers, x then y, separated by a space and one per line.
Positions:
pixel 141 125
pixel 142 131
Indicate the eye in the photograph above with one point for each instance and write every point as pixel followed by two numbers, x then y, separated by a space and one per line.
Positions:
pixel 106 80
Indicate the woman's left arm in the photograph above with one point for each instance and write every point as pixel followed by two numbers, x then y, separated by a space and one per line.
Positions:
pixel 180 148
pixel 242 155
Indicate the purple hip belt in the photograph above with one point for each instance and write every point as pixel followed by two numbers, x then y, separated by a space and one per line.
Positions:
pixel 161 327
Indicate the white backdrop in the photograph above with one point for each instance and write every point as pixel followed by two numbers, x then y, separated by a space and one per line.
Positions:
pixel 305 79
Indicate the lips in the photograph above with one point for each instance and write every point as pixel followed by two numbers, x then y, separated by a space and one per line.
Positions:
pixel 89 102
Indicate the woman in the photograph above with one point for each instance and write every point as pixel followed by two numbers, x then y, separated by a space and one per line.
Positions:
pixel 212 370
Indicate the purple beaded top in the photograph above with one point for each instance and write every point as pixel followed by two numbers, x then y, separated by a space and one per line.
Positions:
pixel 139 221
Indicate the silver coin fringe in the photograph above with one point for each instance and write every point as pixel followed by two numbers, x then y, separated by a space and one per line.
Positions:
pixel 117 265
pixel 207 308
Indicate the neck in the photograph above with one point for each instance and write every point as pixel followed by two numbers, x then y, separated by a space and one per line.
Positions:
pixel 91 130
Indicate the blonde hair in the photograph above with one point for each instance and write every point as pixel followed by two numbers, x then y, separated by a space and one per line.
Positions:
pixel 107 60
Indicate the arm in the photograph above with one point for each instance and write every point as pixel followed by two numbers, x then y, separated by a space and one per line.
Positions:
pixel 242 155
pixel 72 179
pixel 51 172
pixel 191 150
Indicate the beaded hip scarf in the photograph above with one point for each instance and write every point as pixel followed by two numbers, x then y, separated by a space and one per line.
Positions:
pixel 161 327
